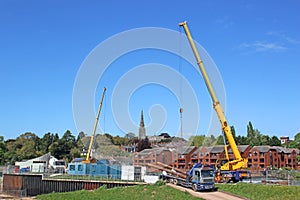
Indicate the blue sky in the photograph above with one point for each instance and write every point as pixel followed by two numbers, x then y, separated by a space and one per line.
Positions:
pixel 254 44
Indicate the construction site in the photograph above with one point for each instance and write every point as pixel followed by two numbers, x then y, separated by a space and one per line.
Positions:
pixel 149 100
pixel 46 174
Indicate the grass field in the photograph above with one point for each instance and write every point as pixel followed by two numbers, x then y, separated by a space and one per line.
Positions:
pixel 160 191
pixel 157 191
pixel 259 191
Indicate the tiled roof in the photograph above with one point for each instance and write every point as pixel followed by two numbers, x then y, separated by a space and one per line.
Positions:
pixel 217 149
pixel 241 148
pixel 185 149
pixel 262 149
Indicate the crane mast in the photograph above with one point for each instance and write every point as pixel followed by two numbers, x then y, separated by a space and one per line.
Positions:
pixel 88 155
pixel 239 162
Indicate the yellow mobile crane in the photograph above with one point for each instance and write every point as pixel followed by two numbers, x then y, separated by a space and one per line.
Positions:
pixel 239 162
pixel 88 155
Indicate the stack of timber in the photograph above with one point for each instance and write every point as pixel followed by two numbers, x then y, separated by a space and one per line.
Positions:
pixel 171 170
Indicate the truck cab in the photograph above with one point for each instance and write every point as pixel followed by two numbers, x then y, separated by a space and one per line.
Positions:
pixel 201 178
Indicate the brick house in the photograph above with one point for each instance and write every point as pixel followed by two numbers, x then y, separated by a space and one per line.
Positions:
pixel 183 157
pixel 152 156
pixel 243 149
pixel 287 157
pixel 214 154
pixel 211 155
pixel 262 157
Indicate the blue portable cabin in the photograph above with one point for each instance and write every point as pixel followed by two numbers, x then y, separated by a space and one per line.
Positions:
pixel 115 171
pixel 78 169
pixel 100 168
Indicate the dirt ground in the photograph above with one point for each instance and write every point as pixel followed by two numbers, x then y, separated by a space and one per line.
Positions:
pixel 216 195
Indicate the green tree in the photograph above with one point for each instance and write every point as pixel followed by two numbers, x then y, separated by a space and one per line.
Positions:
pixel 3 150
pixel 232 129
pixel 61 148
pixel 196 140
pixel 80 135
pixel 296 142
pixel 241 140
pixel 265 140
pixel 253 135
pixel 27 146
pixel 275 141
pixel 209 141
pixel 220 140
pixel 46 141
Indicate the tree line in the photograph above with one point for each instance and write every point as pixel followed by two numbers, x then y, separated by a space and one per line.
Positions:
pixel 29 145
pixel 253 138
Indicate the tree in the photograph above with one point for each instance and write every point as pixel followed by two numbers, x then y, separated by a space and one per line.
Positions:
pixel 3 150
pixel 275 141
pixel 265 140
pixel 80 136
pixel 296 142
pixel 61 149
pixel 209 141
pixel 197 140
pixel 253 136
pixel 220 140
pixel 143 144
pixel 241 140
pixel 26 146
pixel 46 141
pixel 232 129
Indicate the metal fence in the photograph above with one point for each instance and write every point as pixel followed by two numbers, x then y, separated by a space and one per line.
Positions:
pixel 12 194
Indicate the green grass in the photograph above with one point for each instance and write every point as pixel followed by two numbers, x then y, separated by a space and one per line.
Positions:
pixel 259 191
pixel 157 191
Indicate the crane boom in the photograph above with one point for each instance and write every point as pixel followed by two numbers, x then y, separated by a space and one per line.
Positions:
pixel 87 160
pixel 239 162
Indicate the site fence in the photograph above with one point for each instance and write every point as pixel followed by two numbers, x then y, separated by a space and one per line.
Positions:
pixel 13 194
pixel 36 184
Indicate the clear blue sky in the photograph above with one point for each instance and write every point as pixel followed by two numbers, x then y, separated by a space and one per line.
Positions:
pixel 254 44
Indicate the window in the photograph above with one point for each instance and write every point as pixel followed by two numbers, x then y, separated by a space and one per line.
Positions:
pixel 80 167
pixel 72 167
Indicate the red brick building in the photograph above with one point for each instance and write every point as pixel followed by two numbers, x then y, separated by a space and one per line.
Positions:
pixel 262 157
pixel 152 156
pixel 183 157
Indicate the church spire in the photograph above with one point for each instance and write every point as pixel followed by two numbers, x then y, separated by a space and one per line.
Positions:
pixel 142 120
pixel 142 130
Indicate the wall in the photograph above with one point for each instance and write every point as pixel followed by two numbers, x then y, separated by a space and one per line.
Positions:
pixel 35 184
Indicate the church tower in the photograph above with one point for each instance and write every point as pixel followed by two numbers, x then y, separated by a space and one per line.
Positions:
pixel 142 130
